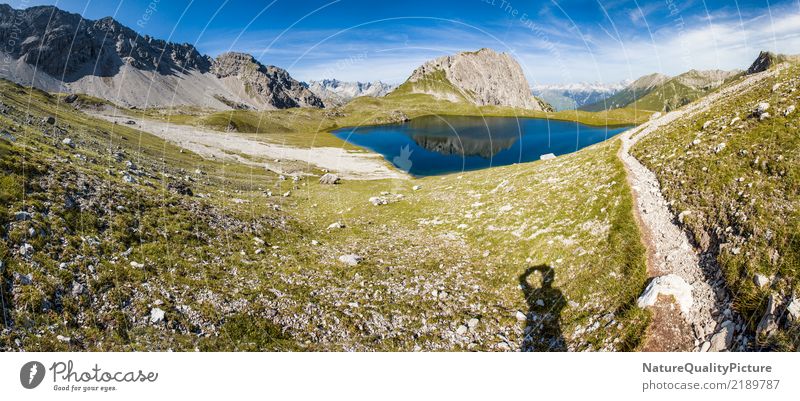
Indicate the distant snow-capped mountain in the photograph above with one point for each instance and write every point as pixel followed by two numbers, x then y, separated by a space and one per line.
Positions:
pixel 573 95
pixel 336 93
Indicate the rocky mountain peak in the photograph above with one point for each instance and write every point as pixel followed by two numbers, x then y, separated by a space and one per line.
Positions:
pixel 334 92
pixel 705 79
pixel 55 50
pixel 650 81
pixel 64 44
pixel 764 61
pixel 268 84
pixel 482 77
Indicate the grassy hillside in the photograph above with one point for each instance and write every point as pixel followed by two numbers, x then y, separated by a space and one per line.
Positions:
pixel 103 232
pixel 667 97
pixel 736 180
pixel 435 82
pixel 310 127
pixel 674 93
pixel 662 94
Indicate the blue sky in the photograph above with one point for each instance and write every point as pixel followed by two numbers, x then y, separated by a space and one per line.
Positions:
pixel 555 41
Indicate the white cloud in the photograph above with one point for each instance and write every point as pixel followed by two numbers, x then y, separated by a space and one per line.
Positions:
pixel 551 52
pixel 709 44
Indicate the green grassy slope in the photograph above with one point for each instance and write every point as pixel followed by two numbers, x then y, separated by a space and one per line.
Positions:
pixel 741 201
pixel 619 100
pixel 236 266
pixel 310 127
pixel 667 97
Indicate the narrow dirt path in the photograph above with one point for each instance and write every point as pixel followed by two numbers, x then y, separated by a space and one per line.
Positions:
pixel 688 311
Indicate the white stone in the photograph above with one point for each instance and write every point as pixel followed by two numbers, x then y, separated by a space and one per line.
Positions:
pixel 350 259
pixel 548 156
pixel 473 323
pixel 329 179
pixel 26 249
pixel 377 200
pixel 336 225
pixel 789 110
pixel 156 315
pixel 521 316
pixel 461 330
pixel 670 284
pixel 722 340
pixel 137 265
pixel 761 280
pixel 417 187
pixel 762 107
pixel 794 309
pixel 719 147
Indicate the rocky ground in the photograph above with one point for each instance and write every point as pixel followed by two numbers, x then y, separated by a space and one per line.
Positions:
pixel 718 222
pixel 116 239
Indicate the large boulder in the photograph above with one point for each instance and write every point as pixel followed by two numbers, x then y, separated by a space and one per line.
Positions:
pixel 670 285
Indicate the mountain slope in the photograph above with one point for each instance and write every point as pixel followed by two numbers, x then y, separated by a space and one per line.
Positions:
pixel 267 86
pixel 730 172
pixel 636 90
pixel 59 51
pixel 683 89
pixel 573 96
pixel 658 92
pixel 337 93
pixel 482 78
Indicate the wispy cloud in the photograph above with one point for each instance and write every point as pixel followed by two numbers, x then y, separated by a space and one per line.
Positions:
pixel 550 45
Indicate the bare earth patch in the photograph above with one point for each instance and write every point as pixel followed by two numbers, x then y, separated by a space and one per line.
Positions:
pixel 234 147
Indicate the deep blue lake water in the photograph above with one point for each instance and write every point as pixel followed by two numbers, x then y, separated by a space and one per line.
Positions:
pixel 433 145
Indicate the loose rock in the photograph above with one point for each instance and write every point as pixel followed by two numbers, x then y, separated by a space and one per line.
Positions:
pixel 350 259
pixel 156 315
pixel 671 284
pixel 329 179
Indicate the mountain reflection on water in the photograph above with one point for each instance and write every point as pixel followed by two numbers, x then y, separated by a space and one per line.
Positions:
pixel 433 145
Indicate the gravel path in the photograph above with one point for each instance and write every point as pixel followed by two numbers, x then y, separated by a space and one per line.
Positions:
pixel 675 265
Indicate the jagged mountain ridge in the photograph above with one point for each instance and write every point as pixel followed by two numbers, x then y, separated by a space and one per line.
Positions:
pixel 55 50
pixel 336 93
pixel 483 78
pixel 659 92
pixel 637 89
pixel 573 95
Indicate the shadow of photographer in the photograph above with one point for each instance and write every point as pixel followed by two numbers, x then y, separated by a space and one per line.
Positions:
pixel 543 320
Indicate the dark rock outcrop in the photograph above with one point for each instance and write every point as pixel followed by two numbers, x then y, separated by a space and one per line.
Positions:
pixel 55 50
pixel 764 61
pixel 271 84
